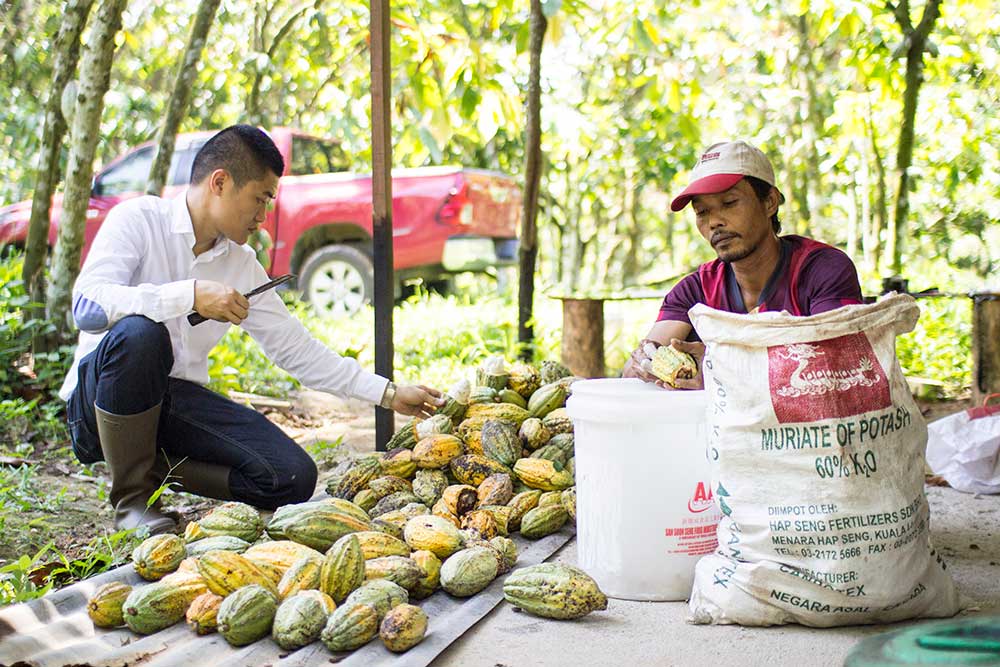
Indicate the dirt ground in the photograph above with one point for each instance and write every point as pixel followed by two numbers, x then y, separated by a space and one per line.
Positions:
pixel 76 512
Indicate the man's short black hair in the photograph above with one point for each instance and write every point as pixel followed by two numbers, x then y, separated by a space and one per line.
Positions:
pixel 762 189
pixel 244 151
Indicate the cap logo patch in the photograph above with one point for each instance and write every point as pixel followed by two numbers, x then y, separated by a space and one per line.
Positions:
pixel 709 156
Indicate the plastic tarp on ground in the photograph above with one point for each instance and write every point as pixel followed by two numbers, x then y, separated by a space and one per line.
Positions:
pixel 55 631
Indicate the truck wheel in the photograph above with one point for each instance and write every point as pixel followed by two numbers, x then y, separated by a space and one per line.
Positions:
pixel 337 279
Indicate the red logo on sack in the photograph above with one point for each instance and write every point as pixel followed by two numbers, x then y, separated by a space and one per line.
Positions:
pixel 839 377
pixel 701 500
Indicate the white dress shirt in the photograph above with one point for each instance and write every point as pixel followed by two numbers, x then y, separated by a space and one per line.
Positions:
pixel 142 263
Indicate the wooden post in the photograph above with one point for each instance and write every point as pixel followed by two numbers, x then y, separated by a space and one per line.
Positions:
pixel 583 337
pixel 382 208
pixel 985 345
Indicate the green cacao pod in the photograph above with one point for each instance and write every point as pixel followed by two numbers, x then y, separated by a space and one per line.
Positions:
pixel 375 544
pixel 434 534
pixel 405 437
pixel 550 371
pixel 158 556
pixel 543 520
pixel 300 620
pixel 279 554
pixel 365 499
pixel 393 502
pixel 565 442
pixel 387 485
pixel 456 400
pixel 105 605
pixel 548 398
pixel 381 594
pixel 436 451
pixel 503 411
pixel 469 571
pixel 428 485
pixel 431 565
pixel 550 498
pixel 247 615
pixel 399 463
pixel 203 614
pixel 355 478
pixel 472 469
pixel 543 474
pixel 533 434
pixel 226 571
pixel 524 379
pixel 159 605
pixel 343 568
pixel 232 518
pixel 558 421
pixel 552 453
pixel 569 502
pixel 500 442
pixel 519 505
pixel 350 626
pixel 507 552
pixel 218 543
pixel 483 395
pixel 317 526
pixel 397 569
pixel 512 397
pixel 554 590
pixel 302 575
pixel 403 628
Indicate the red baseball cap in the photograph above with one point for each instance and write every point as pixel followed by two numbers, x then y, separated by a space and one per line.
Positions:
pixel 721 167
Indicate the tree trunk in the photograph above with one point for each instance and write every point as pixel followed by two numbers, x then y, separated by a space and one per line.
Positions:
pixel 95 77
pixel 67 54
pixel 915 40
pixel 180 97
pixel 532 177
pixel 881 199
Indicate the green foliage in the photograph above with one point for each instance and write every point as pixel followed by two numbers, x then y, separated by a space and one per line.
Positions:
pixel 30 577
pixel 939 347
pixel 29 383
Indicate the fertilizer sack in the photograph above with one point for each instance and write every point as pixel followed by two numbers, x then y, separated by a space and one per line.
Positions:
pixel 817 454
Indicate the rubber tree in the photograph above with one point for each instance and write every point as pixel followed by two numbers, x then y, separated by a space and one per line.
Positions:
pixel 67 55
pixel 180 97
pixel 95 77
pixel 915 43
pixel 528 252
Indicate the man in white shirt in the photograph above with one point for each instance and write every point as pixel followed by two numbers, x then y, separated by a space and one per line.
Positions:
pixel 135 394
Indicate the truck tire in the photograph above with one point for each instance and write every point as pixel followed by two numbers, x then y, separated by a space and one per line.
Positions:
pixel 337 280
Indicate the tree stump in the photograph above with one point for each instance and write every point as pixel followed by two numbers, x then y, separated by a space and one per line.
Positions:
pixel 985 345
pixel 583 337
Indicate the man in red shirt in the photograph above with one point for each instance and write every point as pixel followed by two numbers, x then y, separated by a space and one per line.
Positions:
pixel 735 200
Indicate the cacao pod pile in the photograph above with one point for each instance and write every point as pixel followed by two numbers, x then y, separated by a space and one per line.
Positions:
pixel 435 512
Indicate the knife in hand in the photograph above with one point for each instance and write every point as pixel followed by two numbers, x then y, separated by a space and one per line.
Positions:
pixel 194 319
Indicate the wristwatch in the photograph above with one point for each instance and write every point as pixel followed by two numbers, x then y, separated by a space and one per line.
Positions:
pixel 388 396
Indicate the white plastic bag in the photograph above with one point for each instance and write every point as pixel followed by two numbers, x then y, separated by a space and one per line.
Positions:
pixel 963 448
pixel 816 447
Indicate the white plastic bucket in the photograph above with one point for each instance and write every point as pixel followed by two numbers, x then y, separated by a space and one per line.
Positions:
pixel 645 512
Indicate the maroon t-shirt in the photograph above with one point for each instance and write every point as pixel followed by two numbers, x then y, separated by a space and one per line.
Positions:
pixel 811 277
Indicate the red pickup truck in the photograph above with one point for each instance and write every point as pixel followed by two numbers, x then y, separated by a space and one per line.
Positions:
pixel 445 220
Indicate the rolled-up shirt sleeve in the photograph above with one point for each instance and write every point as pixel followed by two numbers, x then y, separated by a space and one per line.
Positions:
pixel 289 344
pixel 102 294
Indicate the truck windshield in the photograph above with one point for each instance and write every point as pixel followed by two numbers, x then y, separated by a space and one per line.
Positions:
pixel 316 156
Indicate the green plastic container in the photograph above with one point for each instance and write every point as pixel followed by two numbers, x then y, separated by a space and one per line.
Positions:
pixel 970 641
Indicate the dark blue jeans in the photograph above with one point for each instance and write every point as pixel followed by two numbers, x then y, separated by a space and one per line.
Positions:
pixel 128 373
